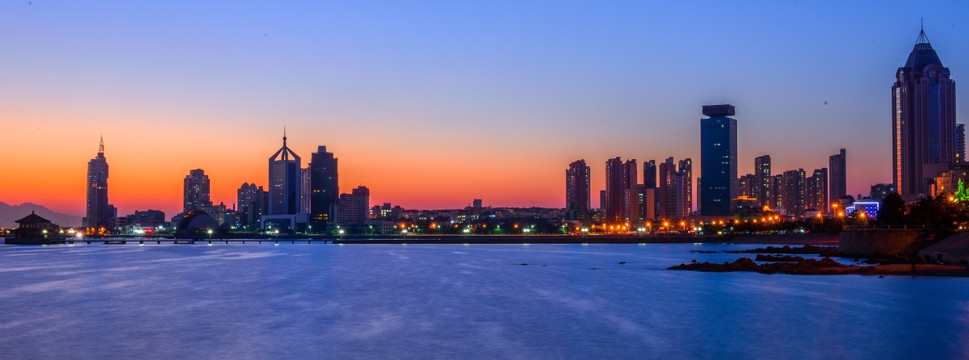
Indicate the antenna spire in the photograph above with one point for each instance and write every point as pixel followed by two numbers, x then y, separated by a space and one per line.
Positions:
pixel 284 135
pixel 101 145
pixel 922 38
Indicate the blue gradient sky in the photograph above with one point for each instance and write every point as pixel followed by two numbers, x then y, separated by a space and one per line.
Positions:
pixel 431 104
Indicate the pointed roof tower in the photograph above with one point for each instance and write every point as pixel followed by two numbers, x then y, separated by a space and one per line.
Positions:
pixel 101 146
pixel 923 54
pixel 284 153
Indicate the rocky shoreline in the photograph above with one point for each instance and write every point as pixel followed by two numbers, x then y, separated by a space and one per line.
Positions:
pixel 772 262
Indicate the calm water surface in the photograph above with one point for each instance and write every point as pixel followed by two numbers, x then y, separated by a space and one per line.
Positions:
pixel 454 301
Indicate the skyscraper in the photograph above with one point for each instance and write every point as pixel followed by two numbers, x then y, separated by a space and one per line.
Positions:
pixel 577 190
pixel 630 185
pixel 649 174
pixel 324 187
pixel 195 194
pixel 718 157
pixel 684 202
pixel 762 190
pixel 614 190
pixel 923 121
pixel 793 200
pixel 305 190
pixel 816 196
pixel 960 142
pixel 251 204
pixel 838 184
pixel 284 181
pixel 99 213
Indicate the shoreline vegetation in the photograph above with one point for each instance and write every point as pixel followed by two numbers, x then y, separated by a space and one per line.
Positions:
pixel 782 260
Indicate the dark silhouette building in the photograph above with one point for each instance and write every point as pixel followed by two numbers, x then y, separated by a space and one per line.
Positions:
pixel 100 215
pixel 649 174
pixel 196 191
pixel 577 190
pixel 762 189
pixel 923 121
pixel 838 183
pixel 324 187
pixel 615 190
pixel 251 202
pixel 353 208
pixel 960 142
pixel 718 157
pixel 285 178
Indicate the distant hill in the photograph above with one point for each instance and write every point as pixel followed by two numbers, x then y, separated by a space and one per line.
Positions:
pixel 11 213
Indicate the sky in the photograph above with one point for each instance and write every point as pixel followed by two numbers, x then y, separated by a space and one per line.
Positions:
pixel 431 104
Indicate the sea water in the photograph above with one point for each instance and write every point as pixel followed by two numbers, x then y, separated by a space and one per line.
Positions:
pixel 457 301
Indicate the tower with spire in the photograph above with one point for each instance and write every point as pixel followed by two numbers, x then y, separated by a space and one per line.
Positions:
pixel 923 120
pixel 285 180
pixel 99 214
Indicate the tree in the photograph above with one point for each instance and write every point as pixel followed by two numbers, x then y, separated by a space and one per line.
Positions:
pixel 892 210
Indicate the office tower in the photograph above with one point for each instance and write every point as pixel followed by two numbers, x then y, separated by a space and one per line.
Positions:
pixel 747 186
pixel 195 193
pixel 99 214
pixel 816 196
pixel 614 190
pixel 353 208
pixel 762 172
pixel 577 190
pixel 285 178
pixel 684 199
pixel 960 142
pixel 251 204
pixel 666 191
pixel 718 158
pixel 305 192
pixel 793 200
pixel 649 174
pixel 923 123
pixel 630 183
pixel 324 187
pixel 838 184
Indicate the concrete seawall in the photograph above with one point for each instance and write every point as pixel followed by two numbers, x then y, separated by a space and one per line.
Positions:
pixel 879 242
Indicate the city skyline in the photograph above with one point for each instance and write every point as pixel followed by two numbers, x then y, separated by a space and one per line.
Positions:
pixel 442 131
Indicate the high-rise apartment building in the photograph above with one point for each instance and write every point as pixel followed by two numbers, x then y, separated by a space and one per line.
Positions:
pixel 195 193
pixel 285 180
pixel 837 164
pixel 615 190
pixel 577 190
pixel 794 188
pixel 685 195
pixel 923 121
pixel 718 157
pixel 305 191
pixel 99 213
pixel 747 186
pixel 777 191
pixel 630 184
pixel 251 202
pixel 353 208
pixel 666 192
pixel 762 172
pixel 816 196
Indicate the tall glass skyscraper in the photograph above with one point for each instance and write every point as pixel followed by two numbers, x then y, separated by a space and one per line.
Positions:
pixel 324 187
pixel 924 121
pixel 99 213
pixel 718 157
pixel 285 178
